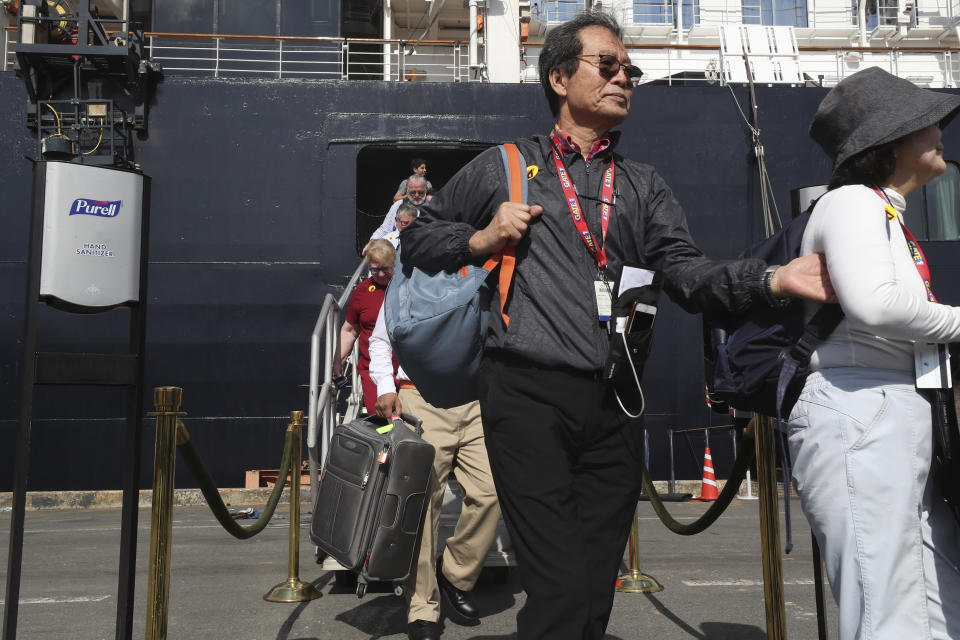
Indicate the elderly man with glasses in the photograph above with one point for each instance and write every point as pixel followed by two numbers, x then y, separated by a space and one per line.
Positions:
pixel 406 214
pixel 565 459
pixel 416 196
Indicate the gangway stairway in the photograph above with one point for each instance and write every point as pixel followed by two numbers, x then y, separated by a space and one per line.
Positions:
pixel 323 416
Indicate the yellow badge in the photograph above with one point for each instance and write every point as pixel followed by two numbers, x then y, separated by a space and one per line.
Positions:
pixel 891 212
pixel 372 288
pixel 532 171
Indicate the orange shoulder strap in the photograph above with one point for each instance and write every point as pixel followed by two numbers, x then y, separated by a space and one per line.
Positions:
pixel 507 259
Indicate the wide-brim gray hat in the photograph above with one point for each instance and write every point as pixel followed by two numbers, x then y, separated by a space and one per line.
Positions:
pixel 873 107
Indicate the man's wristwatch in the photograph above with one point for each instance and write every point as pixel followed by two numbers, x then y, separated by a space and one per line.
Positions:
pixel 772 300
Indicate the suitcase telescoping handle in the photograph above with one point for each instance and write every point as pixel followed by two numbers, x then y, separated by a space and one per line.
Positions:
pixel 410 419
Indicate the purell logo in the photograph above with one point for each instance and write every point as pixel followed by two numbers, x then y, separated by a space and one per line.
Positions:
pixel 102 208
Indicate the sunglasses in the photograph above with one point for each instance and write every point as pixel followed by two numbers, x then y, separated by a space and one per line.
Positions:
pixel 609 66
pixel 415 192
pixel 381 269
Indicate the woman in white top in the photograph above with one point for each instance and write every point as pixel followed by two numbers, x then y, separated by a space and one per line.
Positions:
pixel 861 433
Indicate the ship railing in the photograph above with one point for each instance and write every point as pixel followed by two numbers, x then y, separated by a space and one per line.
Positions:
pixel 319 58
pixel 9 42
pixel 922 66
pixel 447 61
pixel 556 11
pixel 692 64
pixel 297 57
pixel 841 19
pixel 322 396
pixel 636 12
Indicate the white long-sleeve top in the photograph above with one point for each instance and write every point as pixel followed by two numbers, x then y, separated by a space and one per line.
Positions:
pixel 881 292
pixel 389 224
pixel 381 358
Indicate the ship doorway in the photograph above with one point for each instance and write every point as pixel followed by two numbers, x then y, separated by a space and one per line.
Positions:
pixel 381 168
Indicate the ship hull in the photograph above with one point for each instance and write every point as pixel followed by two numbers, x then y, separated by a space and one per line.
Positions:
pixel 253 220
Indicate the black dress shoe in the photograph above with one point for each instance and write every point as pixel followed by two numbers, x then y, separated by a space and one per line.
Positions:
pixel 457 604
pixel 423 630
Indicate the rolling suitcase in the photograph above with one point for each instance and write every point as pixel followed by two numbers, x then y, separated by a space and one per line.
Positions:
pixel 370 502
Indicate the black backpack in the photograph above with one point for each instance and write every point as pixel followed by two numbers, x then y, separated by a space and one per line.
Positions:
pixel 759 361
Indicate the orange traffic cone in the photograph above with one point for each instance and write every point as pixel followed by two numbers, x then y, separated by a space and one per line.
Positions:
pixel 708 489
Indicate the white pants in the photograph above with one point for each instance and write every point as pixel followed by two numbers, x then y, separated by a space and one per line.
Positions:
pixel 861 441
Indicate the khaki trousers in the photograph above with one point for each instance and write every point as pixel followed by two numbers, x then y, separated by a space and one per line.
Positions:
pixel 457 435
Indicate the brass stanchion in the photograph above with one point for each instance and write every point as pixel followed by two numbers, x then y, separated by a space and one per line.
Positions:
pixel 770 528
pixel 634 580
pixel 166 401
pixel 293 589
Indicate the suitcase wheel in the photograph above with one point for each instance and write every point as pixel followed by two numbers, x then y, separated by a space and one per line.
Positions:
pixel 398 589
pixel 361 589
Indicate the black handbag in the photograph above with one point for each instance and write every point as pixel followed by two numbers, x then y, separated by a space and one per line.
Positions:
pixel 946 438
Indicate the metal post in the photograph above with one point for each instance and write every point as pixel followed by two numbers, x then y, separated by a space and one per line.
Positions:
pixel 294 590
pixel 130 512
pixel 166 401
pixel 28 368
pixel 770 529
pixel 681 35
pixel 669 69
pixel 747 479
pixel 749 482
pixel 314 400
pixel 672 487
pixel 635 580
pixel 818 588
pixel 646 454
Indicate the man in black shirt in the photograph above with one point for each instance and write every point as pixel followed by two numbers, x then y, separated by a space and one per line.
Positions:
pixel 565 460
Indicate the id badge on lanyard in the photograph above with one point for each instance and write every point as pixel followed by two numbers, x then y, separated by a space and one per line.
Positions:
pixel 932 365
pixel 604 295
pixel 601 285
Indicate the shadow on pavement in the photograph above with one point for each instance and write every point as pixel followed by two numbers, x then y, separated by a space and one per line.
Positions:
pixel 386 615
pixel 377 616
pixel 284 632
pixel 711 630
pixel 513 635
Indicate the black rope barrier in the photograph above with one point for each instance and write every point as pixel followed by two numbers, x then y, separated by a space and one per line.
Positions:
pixel 208 487
pixel 730 489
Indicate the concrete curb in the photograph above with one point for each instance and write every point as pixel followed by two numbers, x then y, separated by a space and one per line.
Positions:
pixel 113 499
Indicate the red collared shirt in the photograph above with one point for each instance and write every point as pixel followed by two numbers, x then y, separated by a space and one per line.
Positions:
pixel 567 145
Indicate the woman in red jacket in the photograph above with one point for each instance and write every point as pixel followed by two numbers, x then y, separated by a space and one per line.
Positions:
pixel 362 313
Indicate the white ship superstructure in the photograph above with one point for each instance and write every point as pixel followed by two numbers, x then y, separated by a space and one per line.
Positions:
pixel 793 42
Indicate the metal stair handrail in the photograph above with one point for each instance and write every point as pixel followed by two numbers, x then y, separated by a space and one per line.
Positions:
pixel 319 404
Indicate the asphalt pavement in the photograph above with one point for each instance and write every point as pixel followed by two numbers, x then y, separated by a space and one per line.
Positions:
pixel 713 585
